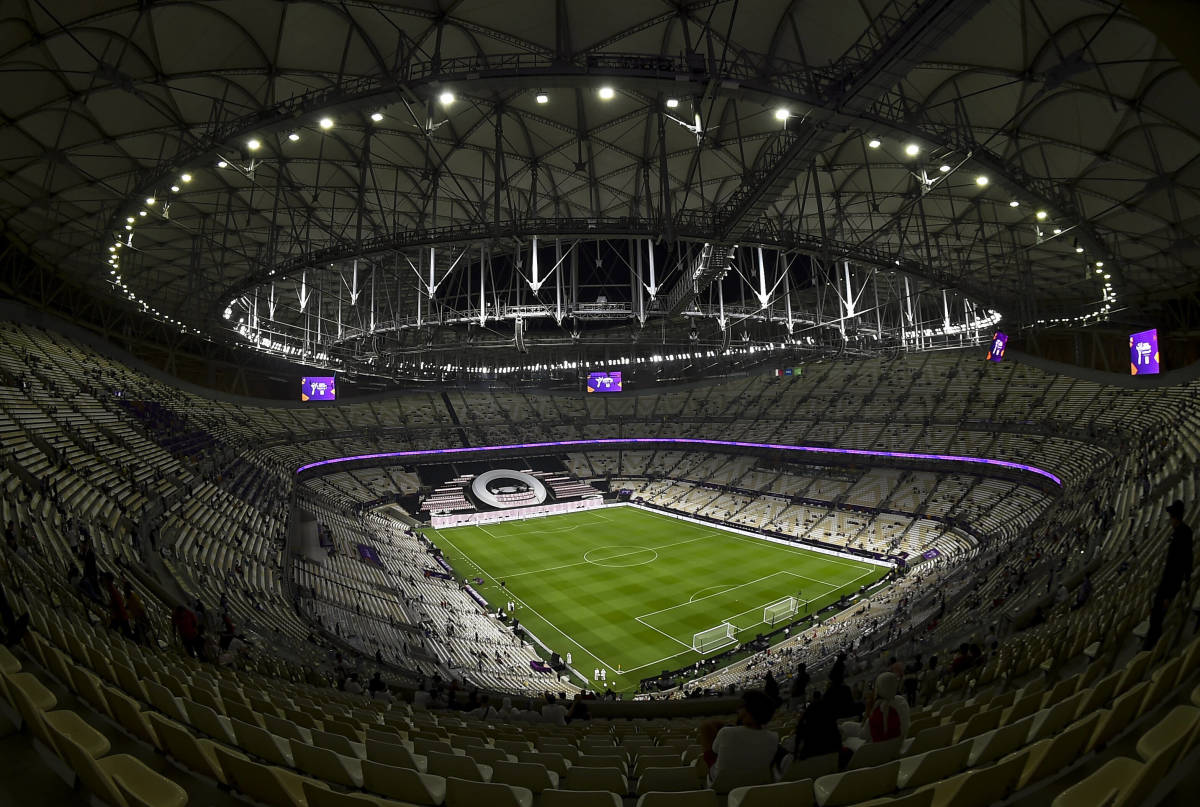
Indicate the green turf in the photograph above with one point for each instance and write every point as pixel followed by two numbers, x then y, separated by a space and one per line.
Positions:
pixel 625 588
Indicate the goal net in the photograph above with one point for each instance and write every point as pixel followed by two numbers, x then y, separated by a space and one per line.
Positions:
pixel 723 635
pixel 782 609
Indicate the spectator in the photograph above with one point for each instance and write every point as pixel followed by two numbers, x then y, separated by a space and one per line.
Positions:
pixel 1177 570
pixel 887 715
pixel 800 683
pixel 771 688
pixel 912 677
pixel 816 730
pixel 579 709
pixel 746 746
pixel 118 617
pixel 14 626
pixel 184 623
pixel 554 712
pixel 136 610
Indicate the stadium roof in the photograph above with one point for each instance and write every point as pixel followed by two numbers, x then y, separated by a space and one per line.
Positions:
pixel 353 182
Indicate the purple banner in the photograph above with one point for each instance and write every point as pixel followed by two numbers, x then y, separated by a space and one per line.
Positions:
pixel 317 388
pixel 477 597
pixel 999 343
pixel 930 554
pixel 1143 353
pixel 369 554
pixel 540 666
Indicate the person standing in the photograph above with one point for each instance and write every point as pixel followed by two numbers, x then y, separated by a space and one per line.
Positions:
pixel 1177 571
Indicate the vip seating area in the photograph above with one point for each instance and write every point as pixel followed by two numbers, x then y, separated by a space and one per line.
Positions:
pixel 1065 708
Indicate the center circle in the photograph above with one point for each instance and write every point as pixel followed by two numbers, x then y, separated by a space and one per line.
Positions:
pixel 619 557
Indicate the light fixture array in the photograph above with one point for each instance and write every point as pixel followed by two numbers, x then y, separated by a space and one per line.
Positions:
pixel 606 93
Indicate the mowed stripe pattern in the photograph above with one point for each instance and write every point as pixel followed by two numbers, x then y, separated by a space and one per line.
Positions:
pixel 627 588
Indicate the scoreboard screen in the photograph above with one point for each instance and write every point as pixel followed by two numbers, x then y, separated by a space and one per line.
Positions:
pixel 997 347
pixel 317 388
pixel 1143 353
pixel 604 382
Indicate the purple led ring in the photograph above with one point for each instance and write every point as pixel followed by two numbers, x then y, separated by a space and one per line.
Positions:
pixel 862 452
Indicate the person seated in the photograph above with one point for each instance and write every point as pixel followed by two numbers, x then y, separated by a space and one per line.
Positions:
pixel 887 715
pixel 746 745
pixel 554 712
pixel 816 730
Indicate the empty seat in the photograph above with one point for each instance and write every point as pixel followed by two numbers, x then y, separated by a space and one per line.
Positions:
pixel 531 775
pixel 468 793
pixel 328 765
pixel 580 798
pixel 266 783
pixel 460 767
pixel 688 798
pixel 552 761
pixel 929 739
pixel 780 794
pixel 101 776
pixel 583 778
pixel 668 779
pixel 1051 755
pixel 403 784
pixel 395 754
pixel 1124 782
pixel 810 768
pixel 992 745
pixel 196 753
pixel 859 785
pixel 921 769
pixel 869 755
pixel 980 788
pixel 263 744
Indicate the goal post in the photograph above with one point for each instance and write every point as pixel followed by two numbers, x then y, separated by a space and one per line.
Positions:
pixel 707 641
pixel 780 609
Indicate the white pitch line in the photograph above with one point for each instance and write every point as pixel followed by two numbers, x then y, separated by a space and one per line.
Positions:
pixel 716 594
pixel 587 562
pixel 669 636
pixel 557 629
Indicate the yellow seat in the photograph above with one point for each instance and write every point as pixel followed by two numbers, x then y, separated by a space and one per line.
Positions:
pixel 979 788
pixel 404 784
pixel 320 796
pixel 531 775
pixel 672 779
pixel 110 777
pixel 263 744
pixel 854 786
pixel 580 798
pixel 583 778
pixel 781 794
pixel 196 753
pixel 688 798
pixel 268 784
pixel 1052 755
pixel 470 793
pixel 79 731
pixel 328 765
pixel 932 765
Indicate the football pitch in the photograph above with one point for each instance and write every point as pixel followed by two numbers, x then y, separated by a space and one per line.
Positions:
pixel 626 589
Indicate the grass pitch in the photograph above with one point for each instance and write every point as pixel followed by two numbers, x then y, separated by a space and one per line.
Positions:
pixel 626 589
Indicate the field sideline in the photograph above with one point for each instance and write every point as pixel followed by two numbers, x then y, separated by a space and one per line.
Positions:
pixel 626 589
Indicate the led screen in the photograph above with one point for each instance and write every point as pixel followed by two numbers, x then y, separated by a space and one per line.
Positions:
pixel 996 350
pixel 1143 352
pixel 317 388
pixel 604 382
